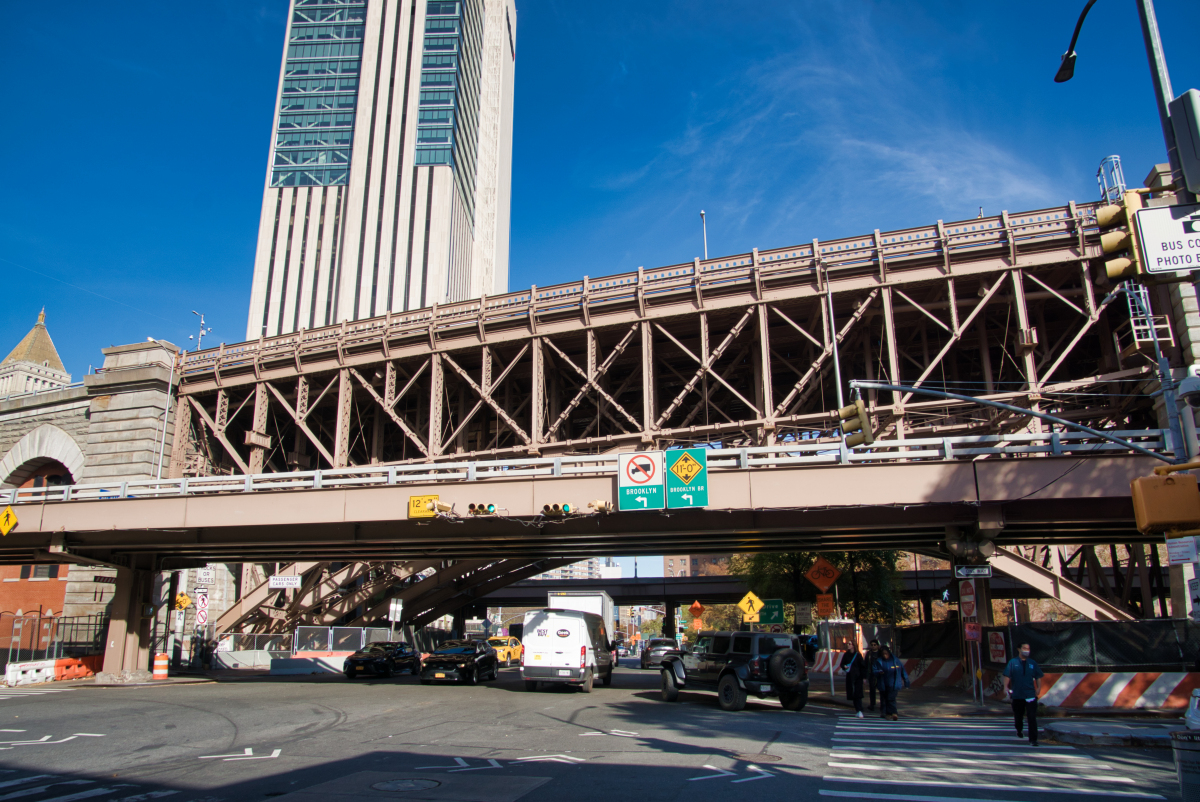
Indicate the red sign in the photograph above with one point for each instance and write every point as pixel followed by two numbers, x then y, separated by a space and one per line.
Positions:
pixel 825 605
pixel 996 650
pixel 974 632
pixel 640 471
pixel 823 575
pixel 697 609
pixel 966 598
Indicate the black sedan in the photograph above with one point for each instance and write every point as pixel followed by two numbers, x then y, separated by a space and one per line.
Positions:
pixel 656 650
pixel 382 660
pixel 469 661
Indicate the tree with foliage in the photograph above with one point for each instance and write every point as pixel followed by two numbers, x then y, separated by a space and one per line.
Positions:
pixel 869 589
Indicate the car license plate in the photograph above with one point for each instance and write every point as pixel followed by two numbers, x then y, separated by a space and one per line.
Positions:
pixel 564 672
pixel 765 687
pixel 440 676
pixel 360 668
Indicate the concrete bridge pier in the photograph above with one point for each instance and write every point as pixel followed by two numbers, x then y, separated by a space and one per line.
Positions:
pixel 127 644
pixel 668 627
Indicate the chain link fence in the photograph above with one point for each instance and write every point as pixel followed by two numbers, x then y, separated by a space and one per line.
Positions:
pixel 25 638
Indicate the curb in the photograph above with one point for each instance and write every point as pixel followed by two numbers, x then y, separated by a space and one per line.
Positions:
pixel 1064 734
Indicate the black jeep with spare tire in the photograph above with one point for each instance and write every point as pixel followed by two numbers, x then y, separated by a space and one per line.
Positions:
pixel 735 664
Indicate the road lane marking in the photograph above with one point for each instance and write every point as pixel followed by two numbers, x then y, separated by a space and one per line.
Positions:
pixel 495 764
pixel 146 796
pixel 931 770
pixel 248 751
pixel 1107 792
pixel 723 773
pixel 764 774
pixel 458 764
pixel 550 759
pixel 41 789
pixel 906 797
pixel 907 751
pixel 23 780
pixel 959 742
pixel 84 794
pixel 271 756
pixel 1003 761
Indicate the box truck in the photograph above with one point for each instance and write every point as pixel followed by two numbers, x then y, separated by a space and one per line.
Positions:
pixel 596 602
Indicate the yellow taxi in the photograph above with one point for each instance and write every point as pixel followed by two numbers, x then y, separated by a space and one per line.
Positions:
pixel 507 649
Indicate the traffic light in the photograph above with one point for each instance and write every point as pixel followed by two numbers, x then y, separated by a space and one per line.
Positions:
pixel 481 509
pixel 437 506
pixel 1118 236
pixel 599 505
pixel 856 425
pixel 557 510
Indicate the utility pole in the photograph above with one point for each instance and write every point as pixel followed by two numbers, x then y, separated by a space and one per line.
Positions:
pixel 704 228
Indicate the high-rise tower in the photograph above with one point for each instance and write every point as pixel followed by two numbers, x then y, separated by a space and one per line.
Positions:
pixel 388 181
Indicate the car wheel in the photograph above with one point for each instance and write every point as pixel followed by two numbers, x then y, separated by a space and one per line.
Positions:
pixel 472 678
pixel 351 675
pixel 531 685
pixel 586 687
pixel 729 695
pixel 508 661
pixel 387 671
pixel 793 700
pixel 670 688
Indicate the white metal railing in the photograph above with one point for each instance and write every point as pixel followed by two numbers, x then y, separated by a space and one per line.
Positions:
pixel 826 452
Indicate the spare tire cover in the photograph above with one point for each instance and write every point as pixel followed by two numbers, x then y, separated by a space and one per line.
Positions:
pixel 785 668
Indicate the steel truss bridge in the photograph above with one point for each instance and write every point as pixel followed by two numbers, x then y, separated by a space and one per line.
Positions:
pixel 302 450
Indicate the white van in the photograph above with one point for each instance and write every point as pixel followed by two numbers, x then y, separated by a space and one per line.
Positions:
pixel 568 646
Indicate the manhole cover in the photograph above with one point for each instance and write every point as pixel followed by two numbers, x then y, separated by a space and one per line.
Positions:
pixel 406 785
pixel 759 758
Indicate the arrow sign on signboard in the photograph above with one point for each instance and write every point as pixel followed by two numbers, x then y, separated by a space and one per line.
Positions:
pixel 973 572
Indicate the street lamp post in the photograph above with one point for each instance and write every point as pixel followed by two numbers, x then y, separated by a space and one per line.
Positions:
pixel 704 228
pixel 1163 95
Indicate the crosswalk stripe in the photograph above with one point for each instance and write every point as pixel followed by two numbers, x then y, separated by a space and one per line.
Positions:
pixel 906 797
pixel 1000 760
pixel 974 771
pixel 958 742
pixel 41 789
pixel 908 737
pixel 144 797
pixel 1106 792
pixel 81 795
pixel 23 780
pixel 879 752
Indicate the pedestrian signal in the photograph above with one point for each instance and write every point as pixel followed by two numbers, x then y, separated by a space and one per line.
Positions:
pixel 1118 236
pixel 856 424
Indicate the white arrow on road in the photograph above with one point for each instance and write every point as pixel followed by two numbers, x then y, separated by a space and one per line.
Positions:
pixel 763 774
pixel 550 759
pixel 494 764
pixel 723 773
pixel 248 754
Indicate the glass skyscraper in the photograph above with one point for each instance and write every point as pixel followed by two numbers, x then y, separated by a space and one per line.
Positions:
pixel 388 180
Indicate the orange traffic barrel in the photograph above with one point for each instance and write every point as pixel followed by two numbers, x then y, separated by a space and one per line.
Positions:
pixel 160 666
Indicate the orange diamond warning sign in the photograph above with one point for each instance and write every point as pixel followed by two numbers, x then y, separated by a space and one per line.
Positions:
pixel 687 468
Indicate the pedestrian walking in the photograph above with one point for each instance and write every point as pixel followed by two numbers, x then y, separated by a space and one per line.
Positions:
pixel 1022 682
pixel 854 666
pixel 891 677
pixel 872 683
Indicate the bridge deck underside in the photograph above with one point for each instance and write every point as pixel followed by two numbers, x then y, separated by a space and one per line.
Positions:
pixel 738 351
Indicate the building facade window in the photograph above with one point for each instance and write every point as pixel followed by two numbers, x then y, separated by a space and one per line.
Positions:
pixel 325 40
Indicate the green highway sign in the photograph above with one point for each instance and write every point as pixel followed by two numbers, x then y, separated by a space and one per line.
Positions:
pixel 772 612
pixel 687 477
pixel 640 482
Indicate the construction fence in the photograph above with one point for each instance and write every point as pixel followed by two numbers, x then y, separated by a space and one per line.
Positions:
pixel 1157 644
pixel 28 638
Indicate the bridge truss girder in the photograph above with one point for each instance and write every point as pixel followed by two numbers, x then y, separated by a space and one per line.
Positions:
pixel 737 351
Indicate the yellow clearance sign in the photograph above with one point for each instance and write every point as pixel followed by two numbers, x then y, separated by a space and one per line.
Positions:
pixel 418 507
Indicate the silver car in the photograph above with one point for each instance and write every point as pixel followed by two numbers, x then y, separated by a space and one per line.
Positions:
pixel 655 650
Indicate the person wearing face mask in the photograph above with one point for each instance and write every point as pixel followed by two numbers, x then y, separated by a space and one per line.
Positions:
pixel 891 676
pixel 1022 683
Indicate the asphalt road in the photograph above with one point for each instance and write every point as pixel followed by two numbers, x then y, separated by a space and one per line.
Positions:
pixel 304 740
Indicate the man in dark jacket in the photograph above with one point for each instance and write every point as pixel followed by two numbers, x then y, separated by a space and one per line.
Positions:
pixel 891 677
pixel 1022 681
pixel 872 682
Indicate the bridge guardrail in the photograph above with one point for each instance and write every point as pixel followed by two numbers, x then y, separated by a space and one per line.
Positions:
pixel 829 452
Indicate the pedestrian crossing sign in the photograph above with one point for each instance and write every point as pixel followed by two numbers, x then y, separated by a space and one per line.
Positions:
pixel 8 520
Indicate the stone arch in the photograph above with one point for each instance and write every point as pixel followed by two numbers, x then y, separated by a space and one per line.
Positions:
pixel 46 443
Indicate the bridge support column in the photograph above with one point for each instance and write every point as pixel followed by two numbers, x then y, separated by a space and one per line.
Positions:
pixel 126 646
pixel 926 608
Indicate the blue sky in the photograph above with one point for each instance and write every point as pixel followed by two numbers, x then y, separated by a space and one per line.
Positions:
pixel 138 138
